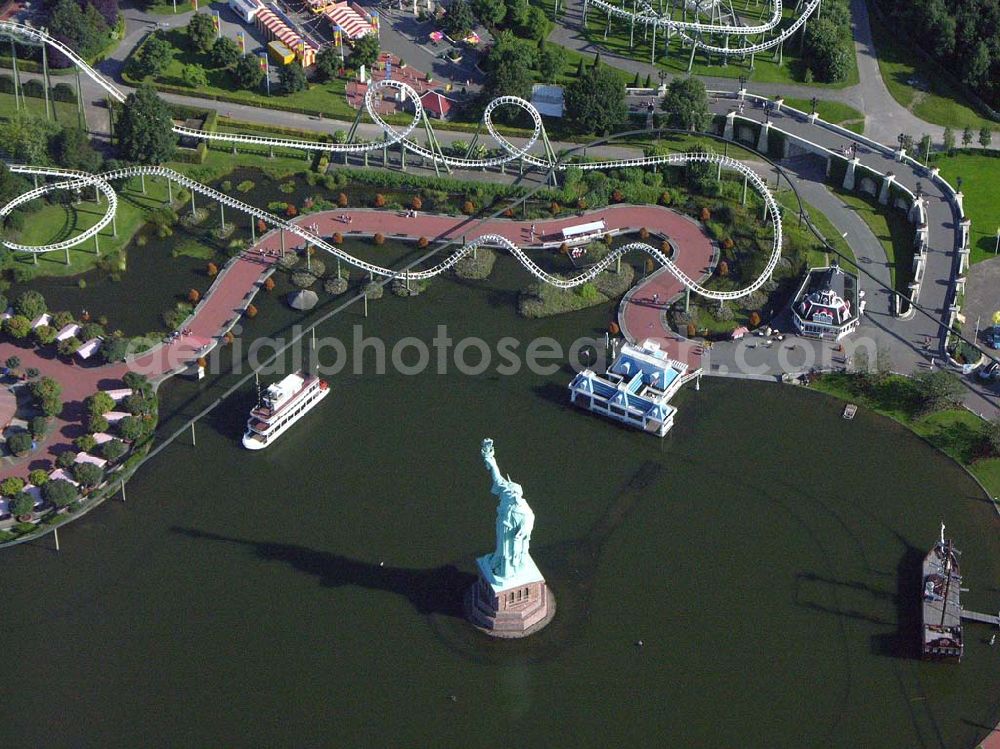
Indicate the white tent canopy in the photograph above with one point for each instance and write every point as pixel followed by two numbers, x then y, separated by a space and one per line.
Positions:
pixel 572 232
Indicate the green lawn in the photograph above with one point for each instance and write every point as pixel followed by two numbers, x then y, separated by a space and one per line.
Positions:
pixel 64 112
pixel 980 173
pixel 326 98
pixel 958 433
pixel 933 98
pixel 817 257
pixel 893 230
pixel 834 112
pixel 675 59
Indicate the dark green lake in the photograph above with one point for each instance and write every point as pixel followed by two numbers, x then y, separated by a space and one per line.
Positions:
pixel 766 552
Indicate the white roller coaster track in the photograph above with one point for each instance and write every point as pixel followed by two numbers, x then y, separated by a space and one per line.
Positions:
pixel 79 180
pixel 688 30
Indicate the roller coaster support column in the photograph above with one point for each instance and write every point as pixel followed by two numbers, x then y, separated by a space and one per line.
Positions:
pixel 114 225
pixel 18 95
pixel 170 192
pixel 81 111
pixel 743 200
pixel 192 204
pixel 631 28
pixel 222 216
pixel 725 56
pixel 385 150
pixel 253 231
pixel 97 244
pixel 142 183
pixel 45 80
pixel 402 156
pixel 282 233
pixel 435 146
pixel 694 48
pixel 652 53
pixel 67 256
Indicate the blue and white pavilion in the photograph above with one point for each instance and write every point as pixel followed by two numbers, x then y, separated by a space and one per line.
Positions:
pixel 636 389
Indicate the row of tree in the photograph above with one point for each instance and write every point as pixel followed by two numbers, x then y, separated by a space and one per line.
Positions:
pixel 964 35
pixel 828 47
pixel 83 25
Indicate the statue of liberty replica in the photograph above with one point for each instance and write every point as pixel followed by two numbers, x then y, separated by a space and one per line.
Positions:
pixel 510 598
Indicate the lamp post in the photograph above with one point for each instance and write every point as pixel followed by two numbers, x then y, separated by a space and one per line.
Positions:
pixel 814 102
pixel 743 83
pixel 901 138
pixel 663 77
pixel 958 181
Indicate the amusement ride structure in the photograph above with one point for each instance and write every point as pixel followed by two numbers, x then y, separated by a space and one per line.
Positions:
pixel 75 180
pixel 710 20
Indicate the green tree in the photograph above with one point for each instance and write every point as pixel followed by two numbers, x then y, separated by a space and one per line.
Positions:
pixel 39 426
pixel 536 26
pixel 458 19
pixel 13 362
pixel 936 390
pixel 144 128
pixel 925 146
pixel 155 54
pixel 113 449
pixel 489 12
pixel 596 102
pixel 11 485
pixel 136 381
pixel 88 475
pixel 19 443
pixel 225 52
pixel 686 104
pixel 551 58
pixel 17 327
pixel 45 334
pixel 293 78
pixel 38 477
pixel 967 136
pixel 68 346
pixel 66 459
pixel 31 304
pixel 96 423
pixel 21 504
pixel 45 387
pixel 26 138
pixel 115 349
pixel 60 492
pixel 985 136
pixel 85 443
pixel 194 76
pixel 201 32
pixel 100 403
pixel 79 26
pixel 365 51
pixel 508 67
pixel 131 428
pixel 825 51
pixel 72 149
pixel 327 64
pixel 948 140
pixel 248 74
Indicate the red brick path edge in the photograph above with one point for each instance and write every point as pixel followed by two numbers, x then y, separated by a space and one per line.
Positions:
pixel 232 290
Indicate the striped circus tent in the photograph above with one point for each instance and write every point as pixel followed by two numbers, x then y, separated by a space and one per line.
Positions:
pixel 275 28
pixel 352 22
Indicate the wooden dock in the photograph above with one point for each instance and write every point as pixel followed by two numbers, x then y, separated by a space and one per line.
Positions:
pixel 975 616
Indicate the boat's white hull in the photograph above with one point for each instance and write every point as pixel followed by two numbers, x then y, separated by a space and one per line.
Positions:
pixel 250 440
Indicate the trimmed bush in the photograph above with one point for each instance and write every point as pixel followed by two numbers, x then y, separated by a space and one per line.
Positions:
pixel 20 443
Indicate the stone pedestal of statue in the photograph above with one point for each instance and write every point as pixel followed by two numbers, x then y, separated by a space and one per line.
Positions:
pixel 515 606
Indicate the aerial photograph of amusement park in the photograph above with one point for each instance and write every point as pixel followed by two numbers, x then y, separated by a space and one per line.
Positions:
pixel 477 373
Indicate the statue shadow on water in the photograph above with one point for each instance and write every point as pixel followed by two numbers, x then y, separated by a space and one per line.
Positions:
pixel 437 593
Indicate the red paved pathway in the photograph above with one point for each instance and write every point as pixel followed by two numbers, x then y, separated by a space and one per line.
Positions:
pixel 227 298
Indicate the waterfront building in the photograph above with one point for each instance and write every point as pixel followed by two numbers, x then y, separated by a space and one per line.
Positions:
pixel 829 304
pixel 636 389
